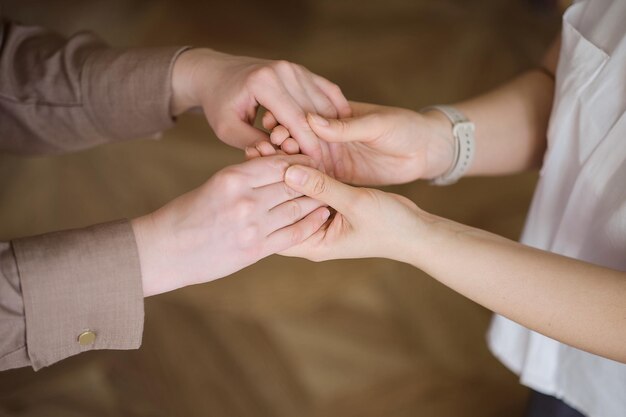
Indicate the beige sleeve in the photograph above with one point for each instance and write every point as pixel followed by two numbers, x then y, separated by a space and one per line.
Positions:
pixel 59 95
pixel 56 286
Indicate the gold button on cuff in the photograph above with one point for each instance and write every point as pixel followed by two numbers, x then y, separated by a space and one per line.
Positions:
pixel 86 338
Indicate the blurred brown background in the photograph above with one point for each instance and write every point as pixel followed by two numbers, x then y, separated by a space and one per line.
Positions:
pixel 285 337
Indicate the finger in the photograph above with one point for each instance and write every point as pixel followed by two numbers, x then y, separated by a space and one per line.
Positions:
pixel 298 84
pixel 357 129
pixel 269 121
pixel 323 104
pixel 265 148
pixel 263 171
pixel 315 184
pixel 335 95
pixel 290 114
pixel 291 212
pixel 252 153
pixel 312 248
pixel 238 133
pixel 273 195
pixel 361 109
pixel 278 135
pixel 290 146
pixel 289 236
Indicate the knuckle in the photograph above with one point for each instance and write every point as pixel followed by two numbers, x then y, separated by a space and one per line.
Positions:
pixel 335 89
pixel 366 197
pixel 243 208
pixel 290 192
pixel 229 181
pixel 301 122
pixel 319 185
pixel 294 210
pixel 219 178
pixel 278 163
pixel 283 65
pixel 329 110
pixel 295 236
pixel 263 74
pixel 302 70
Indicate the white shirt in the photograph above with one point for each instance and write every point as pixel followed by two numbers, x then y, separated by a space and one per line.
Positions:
pixel 579 207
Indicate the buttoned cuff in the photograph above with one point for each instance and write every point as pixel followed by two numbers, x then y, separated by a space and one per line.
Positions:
pixel 127 93
pixel 77 281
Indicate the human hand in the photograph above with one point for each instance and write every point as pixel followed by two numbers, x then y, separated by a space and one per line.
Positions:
pixel 378 145
pixel 230 89
pixel 368 222
pixel 240 215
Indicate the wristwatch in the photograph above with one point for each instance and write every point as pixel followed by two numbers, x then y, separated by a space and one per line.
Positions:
pixel 464 146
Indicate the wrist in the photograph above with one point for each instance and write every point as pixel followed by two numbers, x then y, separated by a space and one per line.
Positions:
pixel 440 150
pixel 144 229
pixel 187 73
pixel 413 244
pixel 437 239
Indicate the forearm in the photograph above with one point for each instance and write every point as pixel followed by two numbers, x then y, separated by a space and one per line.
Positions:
pixel 577 303
pixel 59 95
pixel 57 286
pixel 511 124
pixel 511 121
pixel 13 351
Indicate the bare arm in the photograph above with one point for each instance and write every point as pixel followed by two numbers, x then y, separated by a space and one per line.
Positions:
pixel 575 302
pixel 511 121
pixel 578 303
pixel 389 145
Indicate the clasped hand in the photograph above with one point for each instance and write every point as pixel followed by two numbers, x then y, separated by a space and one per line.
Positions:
pixel 242 214
pixel 245 212
pixel 249 211
pixel 230 89
pixel 378 145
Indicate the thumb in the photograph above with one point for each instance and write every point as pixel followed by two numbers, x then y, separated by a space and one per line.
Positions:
pixel 355 129
pixel 236 132
pixel 320 186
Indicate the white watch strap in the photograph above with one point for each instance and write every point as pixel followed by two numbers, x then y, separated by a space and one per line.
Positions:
pixel 464 147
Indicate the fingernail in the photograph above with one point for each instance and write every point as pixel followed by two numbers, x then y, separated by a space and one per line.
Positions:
pixel 318 120
pixel 325 214
pixel 296 175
